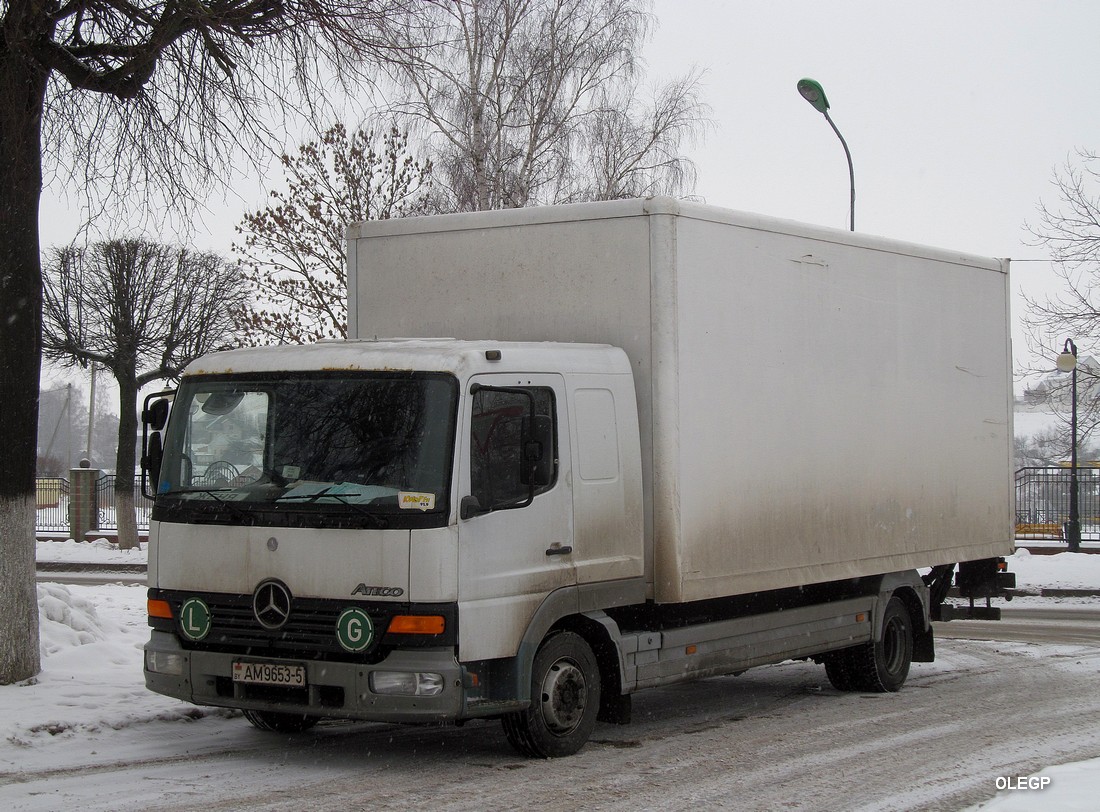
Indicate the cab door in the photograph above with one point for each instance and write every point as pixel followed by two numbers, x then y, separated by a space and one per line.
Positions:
pixel 515 535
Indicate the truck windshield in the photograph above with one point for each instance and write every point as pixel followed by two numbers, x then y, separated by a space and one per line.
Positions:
pixel 337 449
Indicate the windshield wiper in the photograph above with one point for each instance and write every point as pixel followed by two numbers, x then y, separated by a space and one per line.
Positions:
pixel 313 497
pixel 234 510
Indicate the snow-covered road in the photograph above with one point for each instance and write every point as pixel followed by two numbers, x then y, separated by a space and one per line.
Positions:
pixel 87 735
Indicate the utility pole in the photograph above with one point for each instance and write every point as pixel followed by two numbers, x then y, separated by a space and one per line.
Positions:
pixel 91 418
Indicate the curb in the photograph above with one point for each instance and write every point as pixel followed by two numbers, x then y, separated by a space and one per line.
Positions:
pixel 76 566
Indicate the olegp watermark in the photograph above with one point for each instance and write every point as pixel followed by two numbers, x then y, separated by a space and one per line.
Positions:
pixel 1023 782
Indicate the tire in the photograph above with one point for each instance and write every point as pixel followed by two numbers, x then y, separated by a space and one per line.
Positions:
pixel 565 699
pixel 838 668
pixel 877 667
pixel 280 722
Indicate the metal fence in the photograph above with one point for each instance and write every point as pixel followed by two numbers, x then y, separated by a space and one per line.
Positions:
pixel 52 498
pixel 52 502
pixel 105 504
pixel 1042 501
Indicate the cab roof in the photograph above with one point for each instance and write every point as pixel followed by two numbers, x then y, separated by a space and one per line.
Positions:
pixel 462 358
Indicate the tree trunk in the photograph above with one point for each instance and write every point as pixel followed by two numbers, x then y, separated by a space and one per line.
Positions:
pixel 22 93
pixel 124 461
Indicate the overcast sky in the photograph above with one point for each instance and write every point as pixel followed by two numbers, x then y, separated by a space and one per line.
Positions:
pixel 956 114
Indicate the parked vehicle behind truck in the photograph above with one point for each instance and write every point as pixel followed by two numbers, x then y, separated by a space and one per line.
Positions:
pixel 662 441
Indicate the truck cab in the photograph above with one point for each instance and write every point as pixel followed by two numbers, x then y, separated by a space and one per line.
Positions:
pixel 387 529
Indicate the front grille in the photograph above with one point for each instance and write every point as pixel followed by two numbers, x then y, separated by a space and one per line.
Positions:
pixel 309 633
pixel 310 630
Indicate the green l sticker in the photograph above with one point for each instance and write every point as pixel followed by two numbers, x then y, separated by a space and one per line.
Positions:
pixel 195 619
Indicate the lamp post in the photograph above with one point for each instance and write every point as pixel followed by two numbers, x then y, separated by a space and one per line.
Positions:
pixel 1067 362
pixel 814 93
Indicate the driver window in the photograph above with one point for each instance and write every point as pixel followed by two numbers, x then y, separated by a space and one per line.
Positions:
pixel 496 451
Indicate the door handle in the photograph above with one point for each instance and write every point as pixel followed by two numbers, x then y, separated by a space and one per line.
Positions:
pixel 558 549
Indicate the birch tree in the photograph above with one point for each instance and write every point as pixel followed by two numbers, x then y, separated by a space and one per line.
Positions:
pixel 631 147
pixel 511 93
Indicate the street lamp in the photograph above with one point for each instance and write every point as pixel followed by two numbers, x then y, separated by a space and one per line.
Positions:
pixel 814 93
pixel 1067 362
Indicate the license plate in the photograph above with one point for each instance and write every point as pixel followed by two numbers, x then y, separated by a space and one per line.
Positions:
pixel 293 676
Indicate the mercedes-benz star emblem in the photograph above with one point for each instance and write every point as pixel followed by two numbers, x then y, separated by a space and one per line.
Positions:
pixel 271 604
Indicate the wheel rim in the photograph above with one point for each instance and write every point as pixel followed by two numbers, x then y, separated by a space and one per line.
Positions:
pixel 893 645
pixel 564 694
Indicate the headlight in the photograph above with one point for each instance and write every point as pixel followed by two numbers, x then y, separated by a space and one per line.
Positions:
pixel 164 662
pixel 406 683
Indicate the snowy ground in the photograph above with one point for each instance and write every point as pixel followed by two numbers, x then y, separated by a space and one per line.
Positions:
pixel 91 686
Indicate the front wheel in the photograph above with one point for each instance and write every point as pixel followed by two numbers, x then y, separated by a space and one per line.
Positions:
pixel 565 699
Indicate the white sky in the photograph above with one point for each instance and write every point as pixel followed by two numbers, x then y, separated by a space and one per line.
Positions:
pixel 956 114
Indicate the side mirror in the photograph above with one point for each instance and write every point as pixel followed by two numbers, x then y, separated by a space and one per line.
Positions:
pixel 153 456
pixel 537 448
pixel 154 417
pixel 469 507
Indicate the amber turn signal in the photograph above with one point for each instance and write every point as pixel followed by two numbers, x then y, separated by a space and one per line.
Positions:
pixel 417 624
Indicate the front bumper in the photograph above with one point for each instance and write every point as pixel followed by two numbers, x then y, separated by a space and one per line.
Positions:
pixel 333 689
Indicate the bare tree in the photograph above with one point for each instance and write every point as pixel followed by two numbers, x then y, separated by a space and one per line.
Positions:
pixel 293 254
pixel 142 311
pixel 511 92
pixel 633 149
pixel 1070 231
pixel 126 96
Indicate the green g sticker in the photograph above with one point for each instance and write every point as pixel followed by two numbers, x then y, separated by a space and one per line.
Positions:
pixel 195 619
pixel 354 630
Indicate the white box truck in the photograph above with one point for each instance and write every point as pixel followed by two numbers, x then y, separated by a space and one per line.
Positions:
pixel 623 445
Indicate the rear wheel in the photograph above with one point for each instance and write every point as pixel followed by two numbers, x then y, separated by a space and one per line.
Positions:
pixel 280 722
pixel 565 699
pixel 881 666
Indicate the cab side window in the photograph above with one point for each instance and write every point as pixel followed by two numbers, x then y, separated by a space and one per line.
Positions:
pixel 499 444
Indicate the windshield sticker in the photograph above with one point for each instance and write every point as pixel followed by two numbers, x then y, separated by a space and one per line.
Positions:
pixel 411 500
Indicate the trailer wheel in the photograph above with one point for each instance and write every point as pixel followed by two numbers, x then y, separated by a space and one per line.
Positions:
pixel 565 699
pixel 280 722
pixel 881 666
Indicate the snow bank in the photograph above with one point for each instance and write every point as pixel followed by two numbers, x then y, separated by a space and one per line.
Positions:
pixel 1059 571
pixel 65 620
pixel 100 551
pixel 91 683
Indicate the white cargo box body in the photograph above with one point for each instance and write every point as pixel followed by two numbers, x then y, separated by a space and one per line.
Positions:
pixel 814 405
